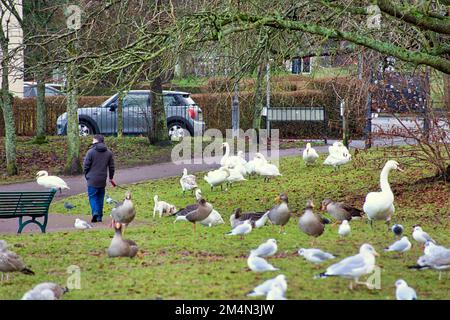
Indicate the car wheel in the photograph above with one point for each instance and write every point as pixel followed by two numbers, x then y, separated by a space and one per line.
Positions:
pixel 85 129
pixel 177 130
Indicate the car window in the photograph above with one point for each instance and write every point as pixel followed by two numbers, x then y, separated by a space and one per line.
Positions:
pixel 136 100
pixel 170 100
pixel 51 92
pixel 184 100
pixel 28 92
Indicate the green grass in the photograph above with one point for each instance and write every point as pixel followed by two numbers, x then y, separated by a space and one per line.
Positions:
pixel 177 264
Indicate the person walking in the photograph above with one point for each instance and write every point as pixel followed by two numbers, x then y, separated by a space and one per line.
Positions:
pixel 98 161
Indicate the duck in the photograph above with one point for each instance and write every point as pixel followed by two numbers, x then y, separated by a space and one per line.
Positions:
pixel 380 205
pixel 45 291
pixel 52 182
pixel 267 170
pixel 188 182
pixel 120 247
pixel 203 210
pixel 338 155
pixel 10 262
pixel 257 219
pixel 280 214
pixel 217 177
pixel 124 212
pixel 340 210
pixel 241 229
pixel 310 154
pixel 310 223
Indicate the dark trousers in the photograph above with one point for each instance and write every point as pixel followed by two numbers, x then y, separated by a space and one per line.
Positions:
pixel 96 200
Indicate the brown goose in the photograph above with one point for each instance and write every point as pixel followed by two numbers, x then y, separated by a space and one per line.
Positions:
pixel 184 211
pixel 124 212
pixel 310 223
pixel 120 247
pixel 280 213
pixel 340 211
pixel 257 219
pixel 201 213
pixel 11 262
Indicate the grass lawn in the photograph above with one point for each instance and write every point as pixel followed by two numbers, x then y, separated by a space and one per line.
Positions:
pixel 177 264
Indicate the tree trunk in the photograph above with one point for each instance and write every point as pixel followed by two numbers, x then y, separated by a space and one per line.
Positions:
pixel 158 134
pixel 120 115
pixel 259 99
pixel 6 103
pixel 235 110
pixel 446 90
pixel 40 110
pixel 73 164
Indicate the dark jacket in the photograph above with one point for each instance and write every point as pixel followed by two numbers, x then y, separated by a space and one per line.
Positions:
pixel 96 163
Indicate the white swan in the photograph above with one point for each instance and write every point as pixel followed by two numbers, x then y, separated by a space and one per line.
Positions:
pixel 52 182
pixel 380 205
pixel 267 170
pixel 235 174
pixel 338 155
pixel 217 177
pixel 310 154
pixel 188 182
pixel 250 166
pixel 227 159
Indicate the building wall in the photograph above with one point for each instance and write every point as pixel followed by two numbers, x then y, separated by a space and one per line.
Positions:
pixel 15 34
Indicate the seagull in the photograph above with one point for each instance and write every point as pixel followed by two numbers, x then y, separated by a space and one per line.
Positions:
pixel 258 264
pixel 45 291
pixel 431 248
pixel 68 206
pixel 353 267
pixel 344 229
pixel 397 229
pixel 437 261
pixel 403 291
pixel 241 229
pixel 400 246
pixel 315 255
pixel 110 200
pixel 11 262
pixel 267 249
pixel 265 287
pixel 276 292
pixel 82 225
pixel 421 236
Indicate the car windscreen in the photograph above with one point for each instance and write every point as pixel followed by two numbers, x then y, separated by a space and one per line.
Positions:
pixel 184 100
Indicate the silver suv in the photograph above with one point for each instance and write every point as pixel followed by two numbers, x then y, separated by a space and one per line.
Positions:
pixel 181 111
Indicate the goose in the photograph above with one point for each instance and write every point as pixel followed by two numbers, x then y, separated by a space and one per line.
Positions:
pixel 421 236
pixel 353 267
pixel 227 159
pixel 276 292
pixel 280 214
pixel 184 211
pixel 124 212
pixel 310 154
pixel 81 224
pixel 403 291
pixel 203 210
pixel 267 170
pixel 217 177
pixel 266 249
pixel 400 246
pixel 258 264
pixel 340 210
pixel 120 247
pixel 45 291
pixel 52 182
pixel 11 262
pixel 311 223
pixel 188 182
pixel 214 219
pixel 380 205
pixel 264 288
pixel 258 219
pixel 315 255
pixel 241 229
pixel 344 229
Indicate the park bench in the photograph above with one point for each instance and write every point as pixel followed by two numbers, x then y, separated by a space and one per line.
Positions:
pixel 26 204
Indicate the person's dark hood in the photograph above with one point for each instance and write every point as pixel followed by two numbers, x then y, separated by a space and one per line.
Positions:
pixel 100 147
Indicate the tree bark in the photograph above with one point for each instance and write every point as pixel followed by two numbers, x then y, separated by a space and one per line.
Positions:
pixel 120 115
pixel 40 110
pixel 259 99
pixel 158 133
pixel 73 163
pixel 6 103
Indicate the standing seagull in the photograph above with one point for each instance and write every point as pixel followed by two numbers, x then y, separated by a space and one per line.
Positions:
pixel 52 182
pixel 400 246
pixel 241 229
pixel 266 249
pixel 403 291
pixel 353 267
pixel 315 255
pixel 421 236
pixel 188 182
pixel 309 154
pixel 11 262
pixel 81 224
pixel 279 214
pixel 258 264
